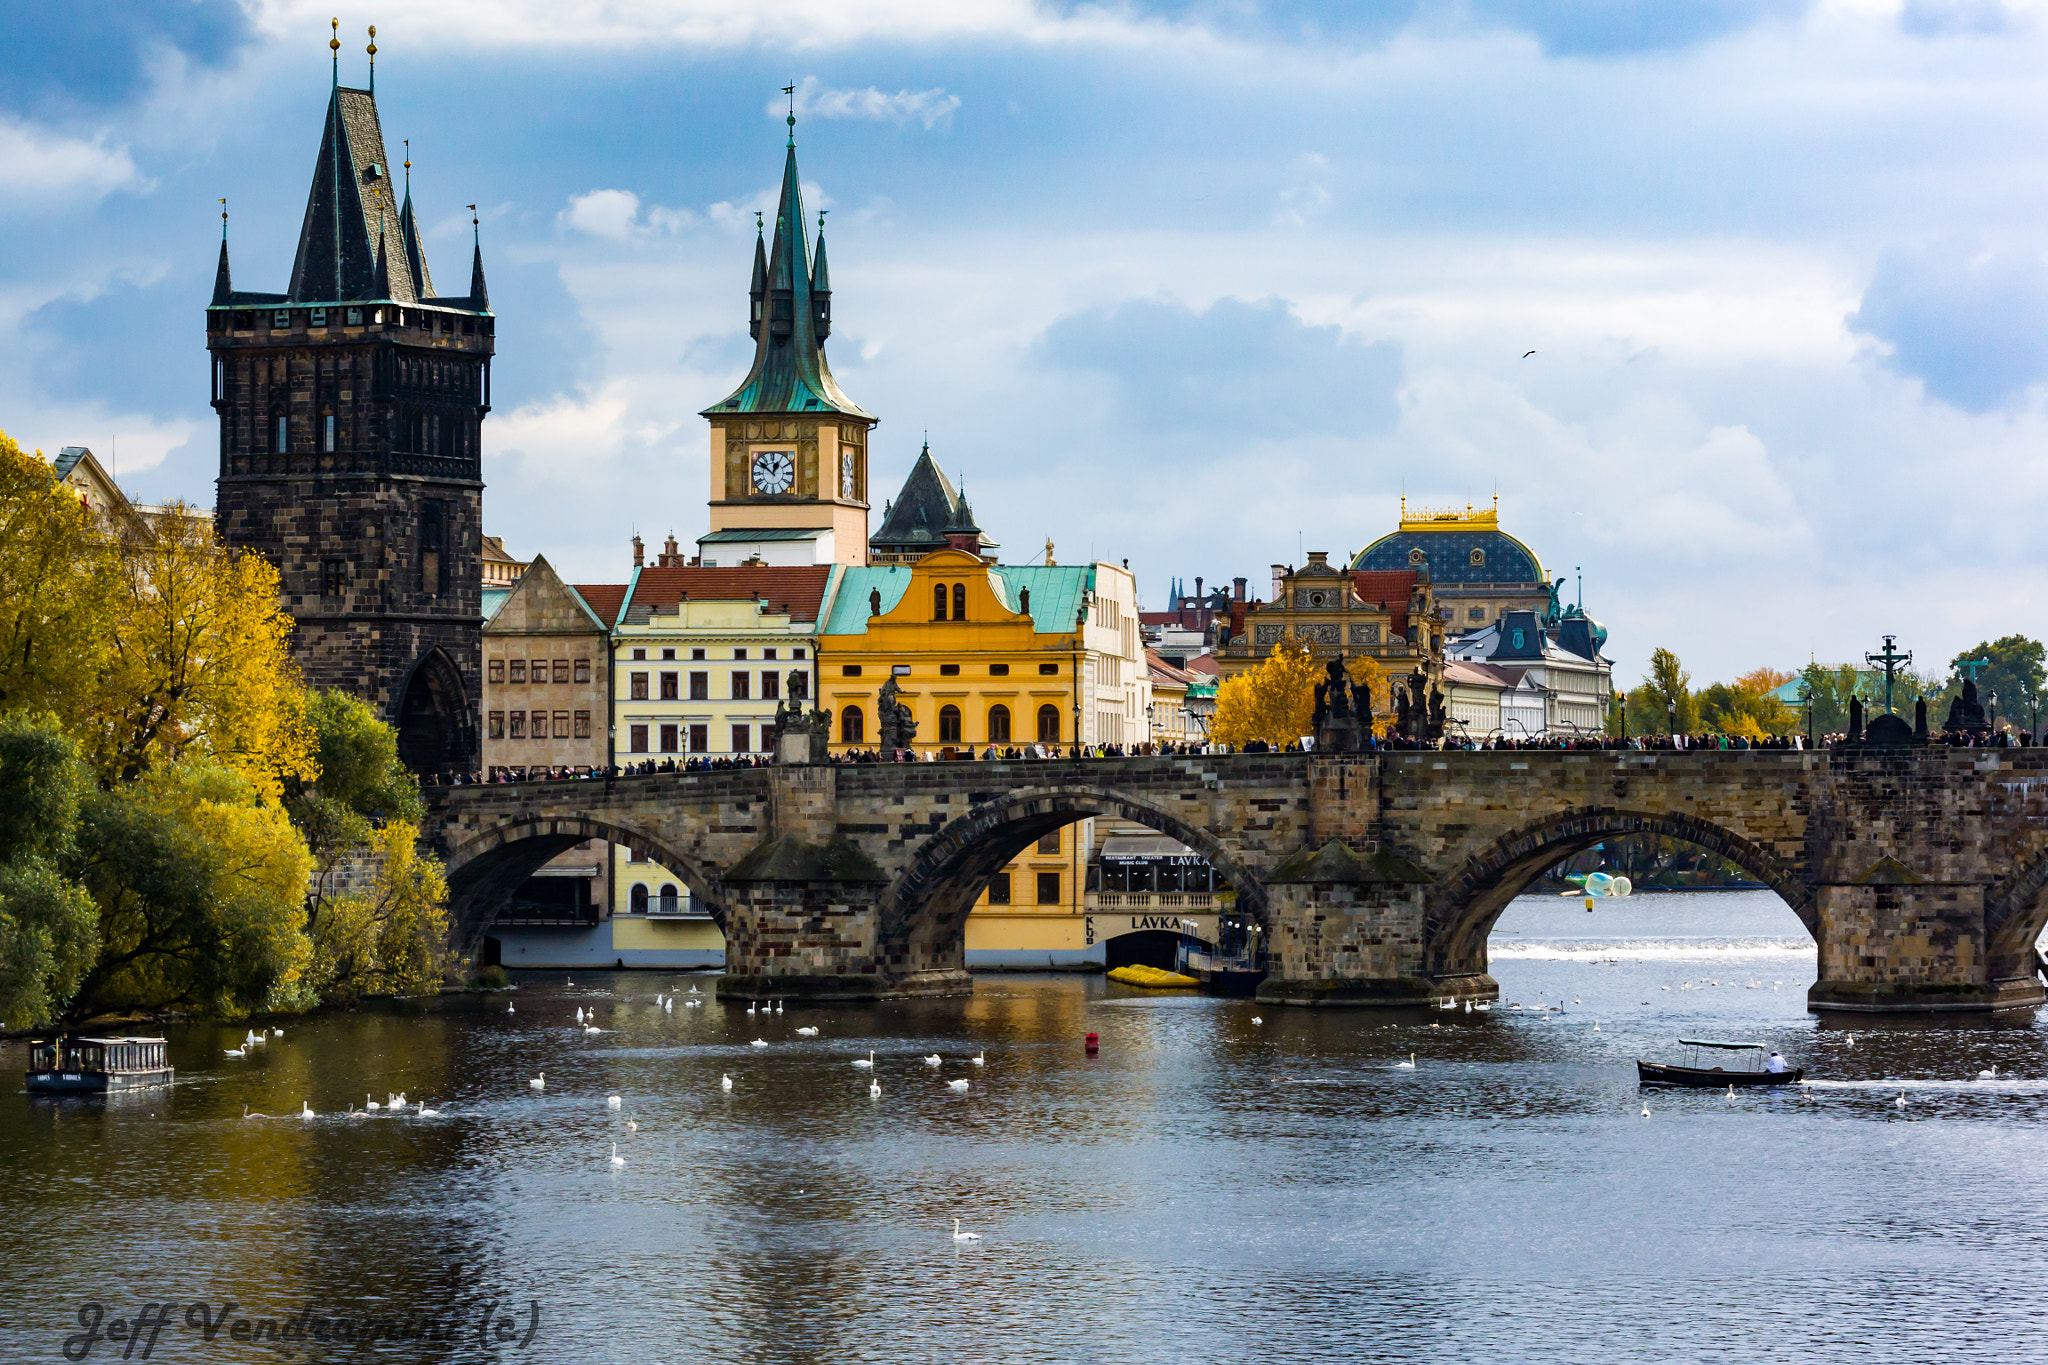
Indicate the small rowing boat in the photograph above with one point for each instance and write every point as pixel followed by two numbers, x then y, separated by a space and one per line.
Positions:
pixel 1699 1077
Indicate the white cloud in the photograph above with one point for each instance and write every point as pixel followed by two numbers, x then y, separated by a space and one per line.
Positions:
pixel 928 107
pixel 615 215
pixel 39 167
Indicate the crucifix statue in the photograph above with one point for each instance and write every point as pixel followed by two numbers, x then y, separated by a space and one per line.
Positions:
pixel 1889 659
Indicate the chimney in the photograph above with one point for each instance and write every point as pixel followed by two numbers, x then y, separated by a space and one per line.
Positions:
pixel 1279 574
pixel 1239 583
pixel 639 553
pixel 1198 587
pixel 671 556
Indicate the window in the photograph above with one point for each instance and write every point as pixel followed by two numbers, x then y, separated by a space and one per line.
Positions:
pixel 583 670
pixel 741 685
pixel 540 724
pixel 639 655
pixel 700 739
pixel 319 317
pixel 636 687
pixel 637 739
pixel 433 547
pixel 636 855
pixel 582 725
pixel 1475 614
pixel 853 726
pixel 938 601
pixel 700 687
pixel 1048 670
pixel 281 319
pixel 1048 888
pixel 767 654
pixel 1048 724
pixel 999 889
pixel 670 901
pixel 670 682
pixel 327 433
pixel 949 725
pixel 519 725
pixel 771 686
pixel 999 670
pixel 562 671
pixel 850 671
pixel 334 577
pixel 739 654
pixel 949 670
pixel 355 317
pixel 639 898
pixel 668 739
pixel 283 445
pixel 742 736
pixel 497 670
pixel 999 725
pixel 695 654
pixel 959 601
pixel 497 725
pixel 796 654
pixel 1050 843
pixel 670 654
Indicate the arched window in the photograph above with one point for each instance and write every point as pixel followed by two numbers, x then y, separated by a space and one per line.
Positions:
pixel 999 725
pixel 949 725
pixel 668 898
pixel 959 601
pixel 1048 724
pixel 639 898
pixel 853 726
pixel 938 601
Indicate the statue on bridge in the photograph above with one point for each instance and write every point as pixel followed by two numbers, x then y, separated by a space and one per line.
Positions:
pixel 894 727
pixel 1337 731
pixel 790 719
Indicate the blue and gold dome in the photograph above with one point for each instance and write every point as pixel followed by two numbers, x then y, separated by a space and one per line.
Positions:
pixel 1462 549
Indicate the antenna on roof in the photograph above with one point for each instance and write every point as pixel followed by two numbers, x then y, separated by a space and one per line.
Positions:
pixel 372 50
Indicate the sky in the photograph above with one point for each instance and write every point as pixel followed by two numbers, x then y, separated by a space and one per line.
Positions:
pixel 1203 286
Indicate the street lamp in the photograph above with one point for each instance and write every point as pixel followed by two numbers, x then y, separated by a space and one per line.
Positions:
pixel 1806 700
pixel 1671 717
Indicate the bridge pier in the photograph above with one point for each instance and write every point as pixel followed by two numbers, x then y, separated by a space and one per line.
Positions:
pixel 802 923
pixel 1896 943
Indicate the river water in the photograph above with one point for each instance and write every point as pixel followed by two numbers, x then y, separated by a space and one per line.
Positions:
pixel 1208 1188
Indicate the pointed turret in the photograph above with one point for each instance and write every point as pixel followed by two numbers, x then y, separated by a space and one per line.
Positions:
pixel 789 373
pixel 223 288
pixel 479 292
pixel 821 286
pixel 415 258
pixel 380 283
pixel 350 210
pixel 926 514
pixel 757 293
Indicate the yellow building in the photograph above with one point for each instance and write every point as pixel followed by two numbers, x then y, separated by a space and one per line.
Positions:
pixel 985 656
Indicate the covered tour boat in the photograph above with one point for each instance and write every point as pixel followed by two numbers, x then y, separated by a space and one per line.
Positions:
pixel 95 1066
pixel 1715 1077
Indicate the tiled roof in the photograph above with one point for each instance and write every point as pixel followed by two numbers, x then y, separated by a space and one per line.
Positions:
pixel 68 458
pixel 352 218
pixel 603 599
pixel 1205 665
pixel 799 589
pixel 1055 595
pixel 918 516
pixel 1390 586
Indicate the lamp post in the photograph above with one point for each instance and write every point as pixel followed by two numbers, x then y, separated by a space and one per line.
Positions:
pixel 1671 718
pixel 1806 700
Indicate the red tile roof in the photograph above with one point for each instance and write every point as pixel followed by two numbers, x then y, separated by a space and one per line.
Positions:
pixel 1390 587
pixel 800 590
pixel 602 598
pixel 1204 665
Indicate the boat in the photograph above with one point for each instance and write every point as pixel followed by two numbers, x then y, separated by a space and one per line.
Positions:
pixel 1714 1077
pixel 96 1066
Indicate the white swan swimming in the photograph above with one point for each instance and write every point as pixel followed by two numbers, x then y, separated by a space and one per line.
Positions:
pixel 957 1085
pixel 1257 1020
pixel 617 1160
pixel 1901 1100
pixel 865 1063
pixel 693 990
pixel 305 1110
pixel 759 1042
pixel 510 1010
pixel 579 1014
pixel 980 1058
pixel 1646 1109
pixel 725 1083
pixel 934 1060
pixel 632 1125
pixel 807 1033
pixel 277 1033
pixel 750 1009
pixel 778 1007
pixel 874 1090
pixel 960 1236
pixel 612 1102
pixel 241 1051
pixel 1408 1065
pixel 426 1113
pixel 1990 1075
pixel 539 1082
pixel 591 1028
pixel 247 1115
pixel 1731 1093
pixel 369 1103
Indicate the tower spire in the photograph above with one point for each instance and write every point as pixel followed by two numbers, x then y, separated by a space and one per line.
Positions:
pixel 479 292
pixel 223 287
pixel 334 50
pixel 372 50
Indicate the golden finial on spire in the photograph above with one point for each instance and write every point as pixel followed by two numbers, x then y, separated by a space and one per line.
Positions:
pixel 223 220
pixel 372 50
pixel 408 153
pixel 334 48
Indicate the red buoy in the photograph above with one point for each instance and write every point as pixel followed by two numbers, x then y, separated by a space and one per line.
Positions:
pixel 1093 1045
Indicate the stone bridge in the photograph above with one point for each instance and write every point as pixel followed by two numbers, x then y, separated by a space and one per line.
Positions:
pixel 1376 877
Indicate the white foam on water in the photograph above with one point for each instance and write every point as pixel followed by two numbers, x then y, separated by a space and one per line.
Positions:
pixel 1649 950
pixel 2001 1086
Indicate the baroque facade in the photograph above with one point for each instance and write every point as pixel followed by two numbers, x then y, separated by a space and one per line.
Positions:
pixel 1387 616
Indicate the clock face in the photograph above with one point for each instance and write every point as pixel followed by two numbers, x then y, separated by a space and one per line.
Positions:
pixel 846 475
pixel 774 472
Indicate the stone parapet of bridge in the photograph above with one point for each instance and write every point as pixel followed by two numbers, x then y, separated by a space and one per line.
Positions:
pixel 1376 877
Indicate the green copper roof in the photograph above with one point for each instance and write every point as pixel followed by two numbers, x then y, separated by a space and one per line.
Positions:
pixel 1055 595
pixel 789 374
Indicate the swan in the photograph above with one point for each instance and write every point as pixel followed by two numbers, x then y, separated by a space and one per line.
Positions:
pixel 807 1033
pixel 1849 1039
pixel 247 1115
pixel 369 1103
pixel 305 1110
pixel 591 1028
pixel 725 1083
pixel 426 1113
pixel 1901 1100
pixel 510 1010
pixel 277 1033
pixel 759 1042
pixel 874 1090
pixel 693 990
pixel 241 1051
pixel 1575 1000
pixel 579 1014
pixel 750 1009
pixel 980 1058
pixel 956 1085
pixel 1257 1020
pixel 395 1101
pixel 632 1125
pixel 933 1060
pixel 1731 1094
pixel 617 1160
pixel 866 1063
pixel 1990 1075
pixel 1468 1007
pixel 778 1007
pixel 1646 1109
pixel 960 1236
pixel 539 1082
pixel 1596 1027
pixel 1408 1065
pixel 612 1102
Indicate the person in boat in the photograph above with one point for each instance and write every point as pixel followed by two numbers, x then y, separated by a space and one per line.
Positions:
pixel 1776 1064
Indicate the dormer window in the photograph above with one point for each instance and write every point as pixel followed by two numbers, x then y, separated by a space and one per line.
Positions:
pixel 280 319
pixel 373 171
pixel 319 317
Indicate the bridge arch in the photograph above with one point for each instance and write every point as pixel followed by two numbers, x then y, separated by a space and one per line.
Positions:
pixel 486 868
pixel 923 922
pixel 2015 914
pixel 1465 903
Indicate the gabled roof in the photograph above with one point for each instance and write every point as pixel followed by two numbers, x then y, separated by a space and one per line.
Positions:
pixel 918 517
pixel 68 458
pixel 789 373
pixel 603 599
pixel 799 589
pixel 351 214
pixel 549 606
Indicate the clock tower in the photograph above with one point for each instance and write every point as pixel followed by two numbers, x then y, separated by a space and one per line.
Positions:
pixel 789 449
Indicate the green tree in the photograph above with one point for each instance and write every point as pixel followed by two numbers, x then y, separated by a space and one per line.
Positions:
pixel 2015 674
pixel 49 927
pixel 56 614
pixel 1665 693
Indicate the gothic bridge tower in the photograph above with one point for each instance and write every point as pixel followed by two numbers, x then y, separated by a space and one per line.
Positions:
pixel 351 414
pixel 789 449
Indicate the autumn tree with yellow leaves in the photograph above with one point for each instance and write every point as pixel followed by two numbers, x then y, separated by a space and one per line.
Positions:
pixel 1274 701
